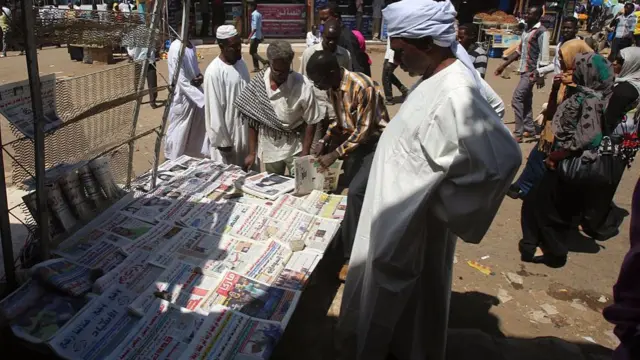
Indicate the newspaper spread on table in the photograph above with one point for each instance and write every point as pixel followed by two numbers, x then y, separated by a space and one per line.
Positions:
pixel 77 245
pixel 226 334
pixel 180 209
pixel 252 223
pixel 136 274
pixel 291 230
pixel 165 332
pixel 181 284
pixel 103 255
pixel 167 172
pixel 320 233
pixel 150 206
pixel 282 207
pixel 215 217
pixel 268 186
pixel 296 273
pixel 253 298
pixel 267 267
pixel 325 205
pixel 310 175
pixel 125 226
pixel 160 235
pixel 98 329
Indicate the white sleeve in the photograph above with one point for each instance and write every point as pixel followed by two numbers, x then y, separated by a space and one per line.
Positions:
pixel 312 113
pixel 544 50
pixel 303 62
pixel 483 159
pixel 215 110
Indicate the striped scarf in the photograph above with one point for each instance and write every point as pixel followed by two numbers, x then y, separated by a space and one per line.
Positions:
pixel 255 109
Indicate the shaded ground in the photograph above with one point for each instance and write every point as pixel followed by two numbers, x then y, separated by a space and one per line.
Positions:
pixel 514 306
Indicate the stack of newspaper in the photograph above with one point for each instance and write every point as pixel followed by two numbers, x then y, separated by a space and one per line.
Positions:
pixel 193 269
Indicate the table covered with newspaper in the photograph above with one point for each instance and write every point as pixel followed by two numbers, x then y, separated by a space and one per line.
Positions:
pixel 193 269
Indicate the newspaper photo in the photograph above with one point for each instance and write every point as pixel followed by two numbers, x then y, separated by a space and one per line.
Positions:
pixel 299 268
pixel 310 175
pixel 98 329
pixel 325 205
pixel 163 333
pixel 226 334
pixel 167 172
pixel 122 225
pixel 268 186
pixel 45 316
pixel 149 207
pixel 157 238
pixel 216 217
pixel 181 285
pixel 320 233
pixel 292 230
pixel 15 105
pixel 225 183
pixel 267 267
pixel 251 225
pixel 253 298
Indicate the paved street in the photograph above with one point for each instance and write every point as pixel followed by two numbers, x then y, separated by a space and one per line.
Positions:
pixel 517 302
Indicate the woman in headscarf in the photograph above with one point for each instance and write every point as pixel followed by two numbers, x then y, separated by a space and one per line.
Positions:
pixel 563 83
pixel 577 126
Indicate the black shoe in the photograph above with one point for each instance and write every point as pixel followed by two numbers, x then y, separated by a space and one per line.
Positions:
pixel 514 192
pixel 154 105
pixel 389 101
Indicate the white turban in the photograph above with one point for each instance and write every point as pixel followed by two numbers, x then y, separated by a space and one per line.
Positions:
pixel 415 19
pixel 226 32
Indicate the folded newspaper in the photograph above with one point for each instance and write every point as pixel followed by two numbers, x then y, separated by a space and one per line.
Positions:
pixel 150 206
pixel 268 186
pixel 310 175
pixel 216 217
pixel 135 274
pixel 226 334
pixel 253 298
pixel 157 238
pixel 325 205
pixel 98 329
pixel 298 270
pixel 64 276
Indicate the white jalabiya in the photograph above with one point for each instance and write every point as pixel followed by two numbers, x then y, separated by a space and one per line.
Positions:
pixel 293 102
pixel 222 84
pixel 186 130
pixel 441 170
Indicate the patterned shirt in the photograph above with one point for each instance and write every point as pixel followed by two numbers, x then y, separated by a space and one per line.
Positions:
pixel 534 49
pixel 360 111
pixel 479 58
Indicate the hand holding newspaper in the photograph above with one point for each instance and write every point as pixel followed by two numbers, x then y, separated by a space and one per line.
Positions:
pixel 310 175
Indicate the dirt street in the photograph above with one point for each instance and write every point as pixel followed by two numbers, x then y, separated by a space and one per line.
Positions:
pixel 515 302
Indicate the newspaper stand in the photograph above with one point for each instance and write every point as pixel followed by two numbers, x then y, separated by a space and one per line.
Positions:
pixel 98 112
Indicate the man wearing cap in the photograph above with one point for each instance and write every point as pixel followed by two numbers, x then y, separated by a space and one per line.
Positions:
pixel 224 79
pixel 440 171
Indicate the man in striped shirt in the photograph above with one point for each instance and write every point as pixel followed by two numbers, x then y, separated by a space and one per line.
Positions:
pixel 533 53
pixel 361 117
pixel 467 37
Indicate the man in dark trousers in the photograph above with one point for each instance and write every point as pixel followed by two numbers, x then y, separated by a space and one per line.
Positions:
pixel 360 61
pixel 256 37
pixel 361 118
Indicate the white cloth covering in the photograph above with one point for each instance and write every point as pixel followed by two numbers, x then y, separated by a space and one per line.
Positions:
pixel 222 84
pixel 415 19
pixel 226 32
pixel 440 171
pixel 294 103
pixel 186 130
pixel 630 71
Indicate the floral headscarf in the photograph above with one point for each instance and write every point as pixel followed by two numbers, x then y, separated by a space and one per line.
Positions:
pixel 577 125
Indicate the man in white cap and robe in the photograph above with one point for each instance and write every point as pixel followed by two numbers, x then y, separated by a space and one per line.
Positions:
pixel 441 170
pixel 224 79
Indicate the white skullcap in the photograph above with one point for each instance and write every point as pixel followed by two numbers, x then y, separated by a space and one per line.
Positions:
pixel 225 32
pixel 416 19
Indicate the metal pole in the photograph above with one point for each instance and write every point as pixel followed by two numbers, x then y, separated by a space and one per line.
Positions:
pixel 28 24
pixel 151 42
pixel 172 88
pixel 5 232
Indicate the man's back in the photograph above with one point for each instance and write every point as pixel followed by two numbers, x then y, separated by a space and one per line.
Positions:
pixel 342 54
pixel 359 60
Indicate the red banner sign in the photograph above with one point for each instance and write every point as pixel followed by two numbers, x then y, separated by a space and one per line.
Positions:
pixel 283 11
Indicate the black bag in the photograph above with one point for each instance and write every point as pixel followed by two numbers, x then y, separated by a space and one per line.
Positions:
pixel 601 171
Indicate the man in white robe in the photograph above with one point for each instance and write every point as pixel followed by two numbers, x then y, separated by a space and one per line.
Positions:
pixel 224 79
pixel 441 170
pixel 186 129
